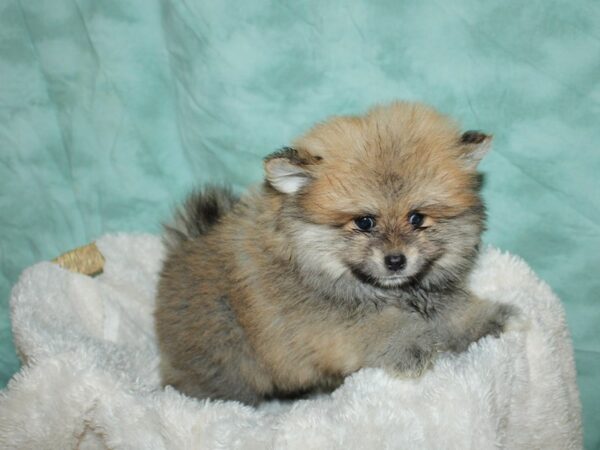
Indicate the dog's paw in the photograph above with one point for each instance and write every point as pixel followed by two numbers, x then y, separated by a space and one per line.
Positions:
pixel 415 361
pixel 504 318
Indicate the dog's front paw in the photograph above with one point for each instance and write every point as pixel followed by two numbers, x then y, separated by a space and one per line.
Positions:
pixel 502 318
pixel 480 320
pixel 414 361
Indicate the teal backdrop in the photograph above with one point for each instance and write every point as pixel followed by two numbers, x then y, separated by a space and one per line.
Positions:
pixel 111 110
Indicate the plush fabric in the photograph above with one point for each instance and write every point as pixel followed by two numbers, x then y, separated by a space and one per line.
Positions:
pixel 111 110
pixel 91 375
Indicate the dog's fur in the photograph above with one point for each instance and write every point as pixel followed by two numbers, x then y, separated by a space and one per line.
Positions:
pixel 280 292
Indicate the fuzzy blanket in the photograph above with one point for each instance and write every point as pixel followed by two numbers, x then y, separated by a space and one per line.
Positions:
pixel 90 376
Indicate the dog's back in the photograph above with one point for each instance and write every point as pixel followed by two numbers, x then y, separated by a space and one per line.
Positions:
pixel 203 349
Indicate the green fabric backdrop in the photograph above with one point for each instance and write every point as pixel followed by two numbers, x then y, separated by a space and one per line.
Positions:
pixel 111 110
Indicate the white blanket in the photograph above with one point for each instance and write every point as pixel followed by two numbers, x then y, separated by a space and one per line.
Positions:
pixel 90 378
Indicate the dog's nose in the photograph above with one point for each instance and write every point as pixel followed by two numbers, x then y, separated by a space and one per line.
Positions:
pixel 395 262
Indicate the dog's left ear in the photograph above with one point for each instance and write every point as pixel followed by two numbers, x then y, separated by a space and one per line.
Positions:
pixel 288 170
pixel 474 145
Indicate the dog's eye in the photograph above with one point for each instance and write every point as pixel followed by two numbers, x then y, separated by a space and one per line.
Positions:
pixel 416 219
pixel 365 223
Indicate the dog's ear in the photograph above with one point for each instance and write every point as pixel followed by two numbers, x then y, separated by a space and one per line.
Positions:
pixel 288 169
pixel 474 145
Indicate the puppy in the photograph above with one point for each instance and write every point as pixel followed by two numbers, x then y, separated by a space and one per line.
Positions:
pixel 355 252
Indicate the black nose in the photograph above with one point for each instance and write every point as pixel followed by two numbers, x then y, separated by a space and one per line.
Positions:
pixel 395 262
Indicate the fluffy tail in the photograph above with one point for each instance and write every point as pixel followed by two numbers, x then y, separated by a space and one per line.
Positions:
pixel 200 212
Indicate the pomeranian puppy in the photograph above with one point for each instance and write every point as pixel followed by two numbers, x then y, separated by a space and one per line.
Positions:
pixel 355 252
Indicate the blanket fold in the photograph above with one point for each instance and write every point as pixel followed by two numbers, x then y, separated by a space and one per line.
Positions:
pixel 90 376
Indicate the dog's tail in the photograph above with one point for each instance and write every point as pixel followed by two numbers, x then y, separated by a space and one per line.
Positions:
pixel 200 212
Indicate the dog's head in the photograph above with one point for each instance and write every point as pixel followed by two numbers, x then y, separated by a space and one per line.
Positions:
pixel 390 197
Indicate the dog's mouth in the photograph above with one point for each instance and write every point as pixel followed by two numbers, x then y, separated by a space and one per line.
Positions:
pixel 411 275
pixel 386 282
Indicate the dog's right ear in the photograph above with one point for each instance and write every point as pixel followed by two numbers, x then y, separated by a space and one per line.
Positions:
pixel 287 170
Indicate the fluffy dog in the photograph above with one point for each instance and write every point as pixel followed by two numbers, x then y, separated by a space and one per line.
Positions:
pixel 355 252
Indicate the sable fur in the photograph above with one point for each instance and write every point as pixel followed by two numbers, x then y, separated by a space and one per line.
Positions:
pixel 280 292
